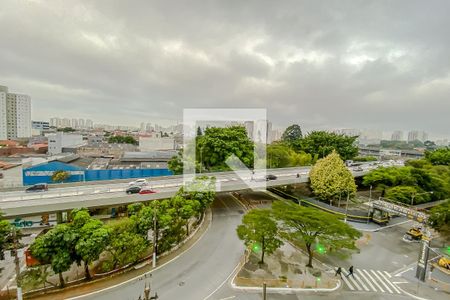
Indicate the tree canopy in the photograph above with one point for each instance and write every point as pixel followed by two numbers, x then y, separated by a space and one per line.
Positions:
pixel 291 134
pixel 439 156
pixel 260 232
pixel 330 178
pixel 440 219
pixel 323 143
pixel 309 226
pixel 279 155
pixel 118 139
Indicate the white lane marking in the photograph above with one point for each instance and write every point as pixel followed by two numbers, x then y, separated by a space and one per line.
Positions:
pixel 367 280
pixel 228 277
pixel 374 281
pixel 404 271
pixel 352 278
pixel 387 274
pixel 385 285
pixel 390 283
pixel 227 298
pixel 348 283
pixel 362 283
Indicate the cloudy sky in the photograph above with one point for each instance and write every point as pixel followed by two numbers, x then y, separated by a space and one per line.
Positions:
pixel 323 64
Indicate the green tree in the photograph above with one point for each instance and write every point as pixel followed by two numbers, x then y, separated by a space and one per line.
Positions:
pixel 35 277
pixel 56 248
pixel 125 245
pixel 118 139
pixel 322 143
pixel 308 226
pixel 278 156
pixel 5 232
pixel 216 145
pixel 292 134
pixel 199 131
pixel 404 194
pixel 60 176
pixel 259 231
pixel 330 178
pixel 440 219
pixel 175 164
pixel 92 238
pixel 439 156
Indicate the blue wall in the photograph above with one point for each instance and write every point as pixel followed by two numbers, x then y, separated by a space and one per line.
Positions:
pixel 42 173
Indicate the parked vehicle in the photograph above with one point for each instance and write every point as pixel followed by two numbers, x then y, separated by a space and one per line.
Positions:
pixel 147 191
pixel 133 189
pixel 414 234
pixel 40 187
pixel 138 182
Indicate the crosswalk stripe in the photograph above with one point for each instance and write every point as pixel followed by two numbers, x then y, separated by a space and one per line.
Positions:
pixel 367 280
pixel 387 274
pixel 361 282
pixel 385 285
pixel 352 278
pixel 348 283
pixel 390 283
pixel 374 281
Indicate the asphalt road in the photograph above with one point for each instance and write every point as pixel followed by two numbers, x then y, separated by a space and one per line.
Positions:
pixel 198 272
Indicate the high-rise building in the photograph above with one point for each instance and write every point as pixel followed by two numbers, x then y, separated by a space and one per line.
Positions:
pixel 81 123
pixel 416 135
pixel 74 123
pixel 249 128
pixel 397 135
pixel 89 124
pixel 15 113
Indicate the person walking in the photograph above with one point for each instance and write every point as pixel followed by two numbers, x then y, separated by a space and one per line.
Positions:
pixel 350 272
pixel 338 272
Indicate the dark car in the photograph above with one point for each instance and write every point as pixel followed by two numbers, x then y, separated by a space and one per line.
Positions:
pixel 133 189
pixel 40 187
pixel 271 177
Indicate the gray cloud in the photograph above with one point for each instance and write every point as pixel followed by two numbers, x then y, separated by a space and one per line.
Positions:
pixel 323 64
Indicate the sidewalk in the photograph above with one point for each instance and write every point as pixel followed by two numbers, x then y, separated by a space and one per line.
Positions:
pixel 129 274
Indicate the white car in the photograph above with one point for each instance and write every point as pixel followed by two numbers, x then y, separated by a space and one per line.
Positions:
pixel 138 182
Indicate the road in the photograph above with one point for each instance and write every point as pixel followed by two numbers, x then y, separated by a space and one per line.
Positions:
pixel 19 203
pixel 199 271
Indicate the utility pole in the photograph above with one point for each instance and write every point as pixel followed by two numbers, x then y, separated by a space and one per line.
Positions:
pixel 154 238
pixel 16 262
pixel 368 209
pixel 264 291
pixel 346 207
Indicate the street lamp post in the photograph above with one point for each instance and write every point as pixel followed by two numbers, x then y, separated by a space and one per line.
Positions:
pixel 413 195
pixel 154 239
pixel 368 209
pixel 346 207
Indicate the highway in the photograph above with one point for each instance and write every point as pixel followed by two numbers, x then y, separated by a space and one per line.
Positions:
pixel 20 203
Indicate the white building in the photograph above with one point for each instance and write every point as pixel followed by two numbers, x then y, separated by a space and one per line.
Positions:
pixel 397 135
pixel 37 127
pixel 58 141
pixel 15 115
pixel 89 124
pixel 416 135
pixel 147 144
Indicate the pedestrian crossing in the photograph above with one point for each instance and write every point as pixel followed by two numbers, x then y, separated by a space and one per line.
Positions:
pixel 370 281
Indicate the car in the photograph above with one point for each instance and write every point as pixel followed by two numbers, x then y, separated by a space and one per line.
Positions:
pixel 40 187
pixel 271 177
pixel 133 189
pixel 358 169
pixel 147 191
pixel 138 182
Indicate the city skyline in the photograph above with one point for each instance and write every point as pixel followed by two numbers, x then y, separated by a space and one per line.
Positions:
pixel 334 67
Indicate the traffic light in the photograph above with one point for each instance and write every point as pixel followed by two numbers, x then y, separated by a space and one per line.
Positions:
pixel 320 248
pixel 256 247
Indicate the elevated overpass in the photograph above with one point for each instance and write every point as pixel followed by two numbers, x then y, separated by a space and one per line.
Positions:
pixel 19 203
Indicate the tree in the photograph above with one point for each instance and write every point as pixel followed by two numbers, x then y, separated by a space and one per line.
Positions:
pixel 216 145
pixel 92 238
pixel 323 143
pixel 35 277
pixel 5 232
pixel 292 134
pixel 199 131
pixel 259 231
pixel 175 164
pixel 330 178
pixel 404 194
pixel 56 248
pixel 122 140
pixel 440 219
pixel 308 226
pixel 439 156
pixel 60 176
pixel 125 244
